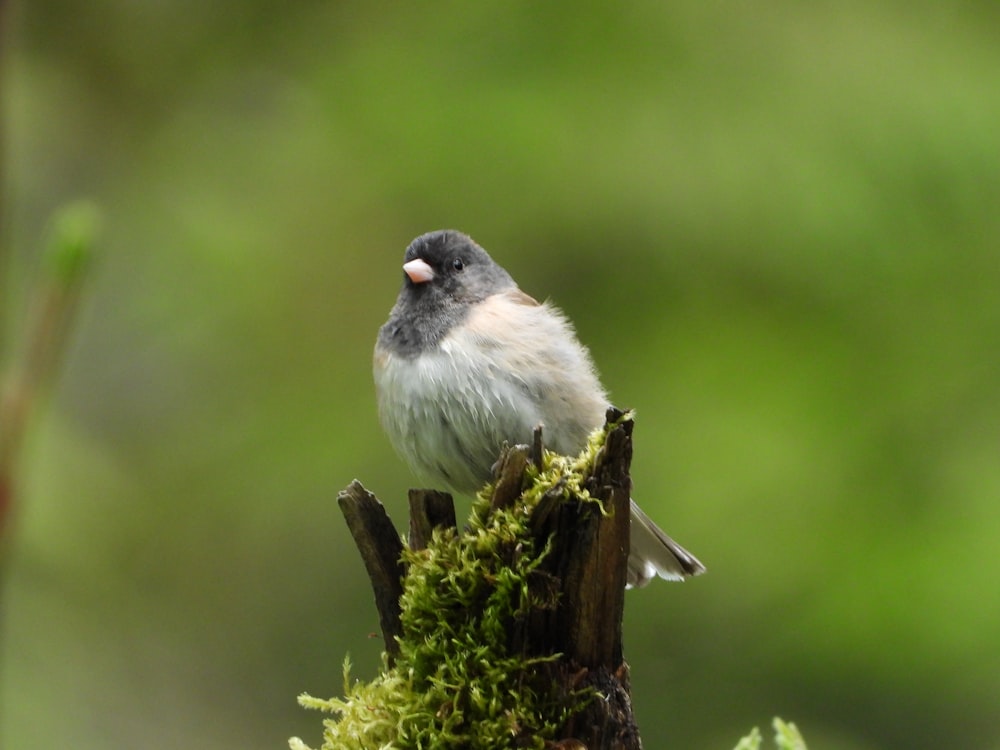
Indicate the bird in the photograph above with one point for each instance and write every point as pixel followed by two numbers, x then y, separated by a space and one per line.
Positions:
pixel 467 362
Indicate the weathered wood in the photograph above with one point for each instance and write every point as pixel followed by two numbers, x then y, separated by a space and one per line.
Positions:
pixel 381 551
pixel 508 475
pixel 429 509
pixel 588 558
pixel 594 585
pixel 578 589
pixel 537 448
pixel 608 722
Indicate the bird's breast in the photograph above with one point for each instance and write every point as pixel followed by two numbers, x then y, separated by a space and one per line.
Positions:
pixel 507 369
pixel 448 410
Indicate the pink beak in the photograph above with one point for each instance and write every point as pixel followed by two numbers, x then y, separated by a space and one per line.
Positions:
pixel 418 271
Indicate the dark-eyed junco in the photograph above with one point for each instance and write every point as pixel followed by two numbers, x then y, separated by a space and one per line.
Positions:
pixel 467 361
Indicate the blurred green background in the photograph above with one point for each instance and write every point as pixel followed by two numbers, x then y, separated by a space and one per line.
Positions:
pixel 777 226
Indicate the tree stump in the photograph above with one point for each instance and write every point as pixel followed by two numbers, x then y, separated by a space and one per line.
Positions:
pixel 573 631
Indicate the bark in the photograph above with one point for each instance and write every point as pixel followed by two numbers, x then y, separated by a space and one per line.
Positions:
pixel 582 575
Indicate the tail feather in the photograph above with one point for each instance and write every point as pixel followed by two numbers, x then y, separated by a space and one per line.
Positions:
pixel 653 553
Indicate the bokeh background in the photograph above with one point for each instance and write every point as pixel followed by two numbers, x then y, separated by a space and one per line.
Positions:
pixel 776 225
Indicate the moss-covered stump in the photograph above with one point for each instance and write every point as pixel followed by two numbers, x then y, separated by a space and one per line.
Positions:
pixel 506 634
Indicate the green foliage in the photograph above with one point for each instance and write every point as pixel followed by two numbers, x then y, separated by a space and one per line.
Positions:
pixel 73 232
pixel 455 683
pixel 786 737
pixel 774 225
pixel 34 364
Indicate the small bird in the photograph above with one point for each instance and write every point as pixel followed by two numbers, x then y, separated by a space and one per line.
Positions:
pixel 468 362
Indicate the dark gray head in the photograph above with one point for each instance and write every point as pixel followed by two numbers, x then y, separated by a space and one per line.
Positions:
pixel 459 268
pixel 444 274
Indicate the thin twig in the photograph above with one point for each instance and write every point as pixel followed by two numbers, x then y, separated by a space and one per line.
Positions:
pixel 52 308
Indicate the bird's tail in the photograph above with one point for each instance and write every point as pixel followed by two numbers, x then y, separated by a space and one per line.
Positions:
pixel 653 553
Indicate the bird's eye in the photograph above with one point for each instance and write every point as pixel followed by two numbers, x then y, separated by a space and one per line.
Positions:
pixel 458 264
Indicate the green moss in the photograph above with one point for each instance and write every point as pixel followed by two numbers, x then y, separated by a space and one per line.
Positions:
pixel 786 737
pixel 74 232
pixel 455 683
